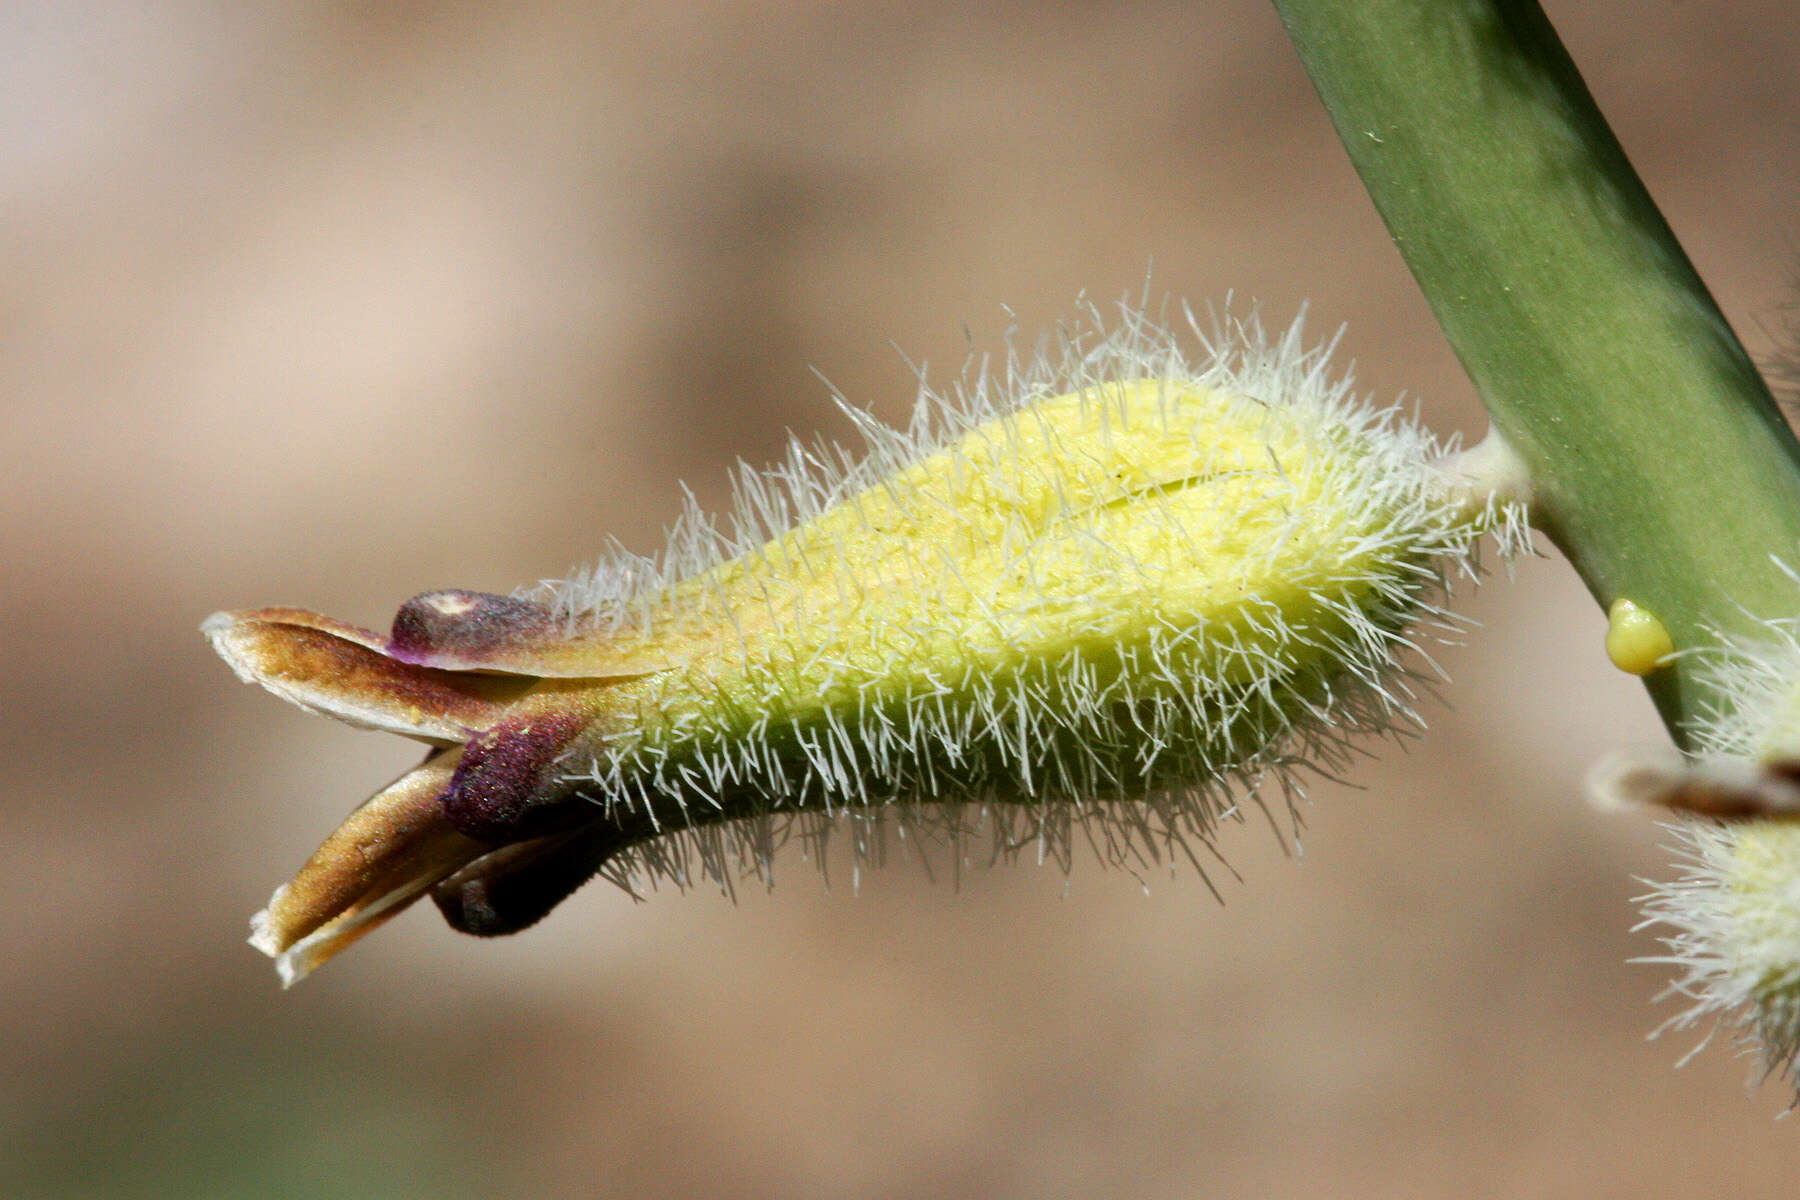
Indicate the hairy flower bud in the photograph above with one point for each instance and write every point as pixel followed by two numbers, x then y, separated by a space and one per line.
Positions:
pixel 1071 604
pixel 1734 912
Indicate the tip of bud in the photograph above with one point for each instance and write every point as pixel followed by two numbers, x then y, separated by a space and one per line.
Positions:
pixel 291 964
pixel 263 935
pixel 343 671
pixel 383 857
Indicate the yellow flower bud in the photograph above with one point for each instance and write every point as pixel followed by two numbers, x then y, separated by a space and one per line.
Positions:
pixel 1735 911
pixel 1636 640
pixel 1073 604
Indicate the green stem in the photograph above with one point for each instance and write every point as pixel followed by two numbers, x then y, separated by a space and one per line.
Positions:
pixel 1661 466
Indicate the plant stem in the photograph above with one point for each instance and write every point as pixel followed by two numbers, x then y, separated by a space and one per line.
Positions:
pixel 1660 464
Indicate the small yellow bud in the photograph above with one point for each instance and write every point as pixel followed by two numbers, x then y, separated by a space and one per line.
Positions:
pixel 1636 641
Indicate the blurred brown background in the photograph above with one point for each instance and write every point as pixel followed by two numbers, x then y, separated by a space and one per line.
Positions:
pixel 327 304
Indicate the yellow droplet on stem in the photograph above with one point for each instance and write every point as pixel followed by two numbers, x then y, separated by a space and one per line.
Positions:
pixel 1636 641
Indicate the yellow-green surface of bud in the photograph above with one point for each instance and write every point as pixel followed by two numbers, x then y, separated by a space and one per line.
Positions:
pixel 1120 583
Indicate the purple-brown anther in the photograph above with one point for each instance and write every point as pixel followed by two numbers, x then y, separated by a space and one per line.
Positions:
pixel 499 692
pixel 470 630
pixel 503 790
pixel 516 886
